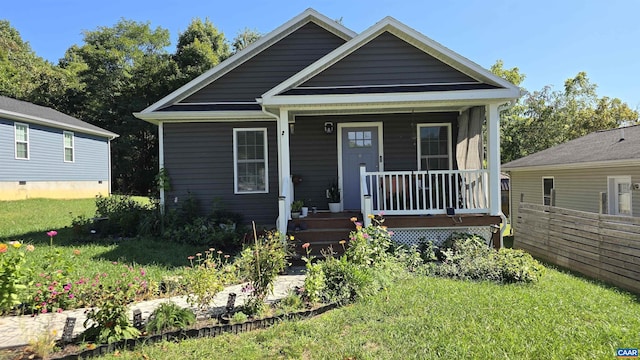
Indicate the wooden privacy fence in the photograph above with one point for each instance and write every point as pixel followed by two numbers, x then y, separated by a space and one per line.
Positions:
pixel 604 247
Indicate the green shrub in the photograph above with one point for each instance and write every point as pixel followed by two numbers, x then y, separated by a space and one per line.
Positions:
pixel 239 317
pixel 170 316
pixel 469 257
pixel 369 246
pixel 346 281
pixel 122 215
pixel 290 303
pixel 314 282
pixel 518 266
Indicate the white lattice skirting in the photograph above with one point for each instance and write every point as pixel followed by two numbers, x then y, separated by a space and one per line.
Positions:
pixel 414 236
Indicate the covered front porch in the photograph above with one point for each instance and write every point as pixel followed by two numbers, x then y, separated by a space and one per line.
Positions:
pixel 411 166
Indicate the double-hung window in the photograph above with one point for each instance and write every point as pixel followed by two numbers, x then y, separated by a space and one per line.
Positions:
pixel 22 141
pixel 68 146
pixel 251 171
pixel 619 194
pixel 434 147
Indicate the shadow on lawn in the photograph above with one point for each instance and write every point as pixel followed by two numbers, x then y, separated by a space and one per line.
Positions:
pixel 142 251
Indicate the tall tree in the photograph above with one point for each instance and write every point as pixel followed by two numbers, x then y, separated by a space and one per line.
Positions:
pixel 200 48
pixel 245 38
pixel 122 69
pixel 546 118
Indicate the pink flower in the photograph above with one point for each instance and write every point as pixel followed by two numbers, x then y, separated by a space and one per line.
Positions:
pixel 30 247
pixel 365 235
pixel 71 296
pixel 52 233
pixel 59 310
pixel 390 233
pixel 358 223
pixel 44 310
pixel 142 272
pixel 306 245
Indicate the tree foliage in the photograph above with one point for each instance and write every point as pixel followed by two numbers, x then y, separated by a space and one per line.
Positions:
pixel 545 118
pixel 245 38
pixel 200 48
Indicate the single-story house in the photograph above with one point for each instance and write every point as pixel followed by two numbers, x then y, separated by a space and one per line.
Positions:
pixel 47 154
pixel 599 173
pixel 390 117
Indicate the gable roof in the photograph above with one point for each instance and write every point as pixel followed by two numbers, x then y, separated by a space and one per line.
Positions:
pixel 494 87
pixel 606 146
pixel 249 52
pixel 25 111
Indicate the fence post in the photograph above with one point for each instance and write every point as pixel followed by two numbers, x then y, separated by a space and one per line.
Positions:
pixel 604 209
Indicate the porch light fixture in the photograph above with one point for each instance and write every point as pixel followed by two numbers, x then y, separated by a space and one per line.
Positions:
pixel 328 127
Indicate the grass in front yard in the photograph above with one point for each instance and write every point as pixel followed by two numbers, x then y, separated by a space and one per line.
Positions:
pixel 23 217
pixel 561 317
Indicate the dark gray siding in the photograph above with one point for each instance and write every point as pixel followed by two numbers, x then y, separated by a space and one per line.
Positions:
pixel 199 161
pixel 387 60
pixel 46 156
pixel 272 66
pixel 314 155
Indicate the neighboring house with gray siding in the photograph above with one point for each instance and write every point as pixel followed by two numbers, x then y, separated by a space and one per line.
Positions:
pixel 599 172
pixel 392 116
pixel 47 154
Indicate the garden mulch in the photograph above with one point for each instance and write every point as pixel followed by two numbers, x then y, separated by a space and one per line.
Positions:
pixel 18 331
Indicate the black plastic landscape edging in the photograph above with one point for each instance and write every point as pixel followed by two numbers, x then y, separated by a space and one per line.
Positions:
pixel 209 331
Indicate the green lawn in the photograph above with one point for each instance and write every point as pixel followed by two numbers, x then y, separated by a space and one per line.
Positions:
pixel 29 220
pixel 561 317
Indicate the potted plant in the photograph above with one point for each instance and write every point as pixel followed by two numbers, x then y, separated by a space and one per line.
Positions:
pixel 296 207
pixel 333 194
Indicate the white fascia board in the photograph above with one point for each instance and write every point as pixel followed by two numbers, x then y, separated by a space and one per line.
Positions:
pixel 250 51
pixel 471 96
pixel 582 165
pixel 56 124
pixel 207 116
pixel 406 33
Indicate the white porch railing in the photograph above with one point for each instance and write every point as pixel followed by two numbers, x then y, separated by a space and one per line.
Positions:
pixel 425 192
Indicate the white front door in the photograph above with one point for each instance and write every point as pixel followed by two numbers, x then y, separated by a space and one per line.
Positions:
pixel 620 195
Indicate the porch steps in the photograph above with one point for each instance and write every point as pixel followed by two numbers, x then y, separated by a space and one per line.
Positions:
pixel 323 231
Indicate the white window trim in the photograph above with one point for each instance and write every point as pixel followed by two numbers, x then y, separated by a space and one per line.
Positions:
pixel 235 161
pixel 64 147
pixel 449 142
pixel 612 191
pixel 553 187
pixel 15 141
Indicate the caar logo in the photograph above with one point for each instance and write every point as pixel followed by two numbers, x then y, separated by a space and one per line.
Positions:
pixel 627 353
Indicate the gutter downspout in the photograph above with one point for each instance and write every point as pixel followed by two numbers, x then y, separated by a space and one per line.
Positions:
pixel 161 163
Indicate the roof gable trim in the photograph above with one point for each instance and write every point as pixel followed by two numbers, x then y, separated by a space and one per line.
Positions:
pixel 55 124
pixel 405 33
pixel 309 15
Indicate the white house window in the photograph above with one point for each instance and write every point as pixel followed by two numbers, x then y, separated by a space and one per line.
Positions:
pixel 434 146
pixel 619 195
pixel 547 186
pixel 68 146
pixel 250 161
pixel 22 141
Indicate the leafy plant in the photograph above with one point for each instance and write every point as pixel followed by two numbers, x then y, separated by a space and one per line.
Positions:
pixel 239 317
pixel 121 215
pixel 334 192
pixel 207 276
pixel 346 281
pixel 109 321
pixel 518 266
pixel 261 263
pixel 13 274
pixel 169 315
pixel 297 205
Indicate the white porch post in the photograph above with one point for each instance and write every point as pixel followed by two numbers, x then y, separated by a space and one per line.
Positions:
pixel 284 171
pixel 493 157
